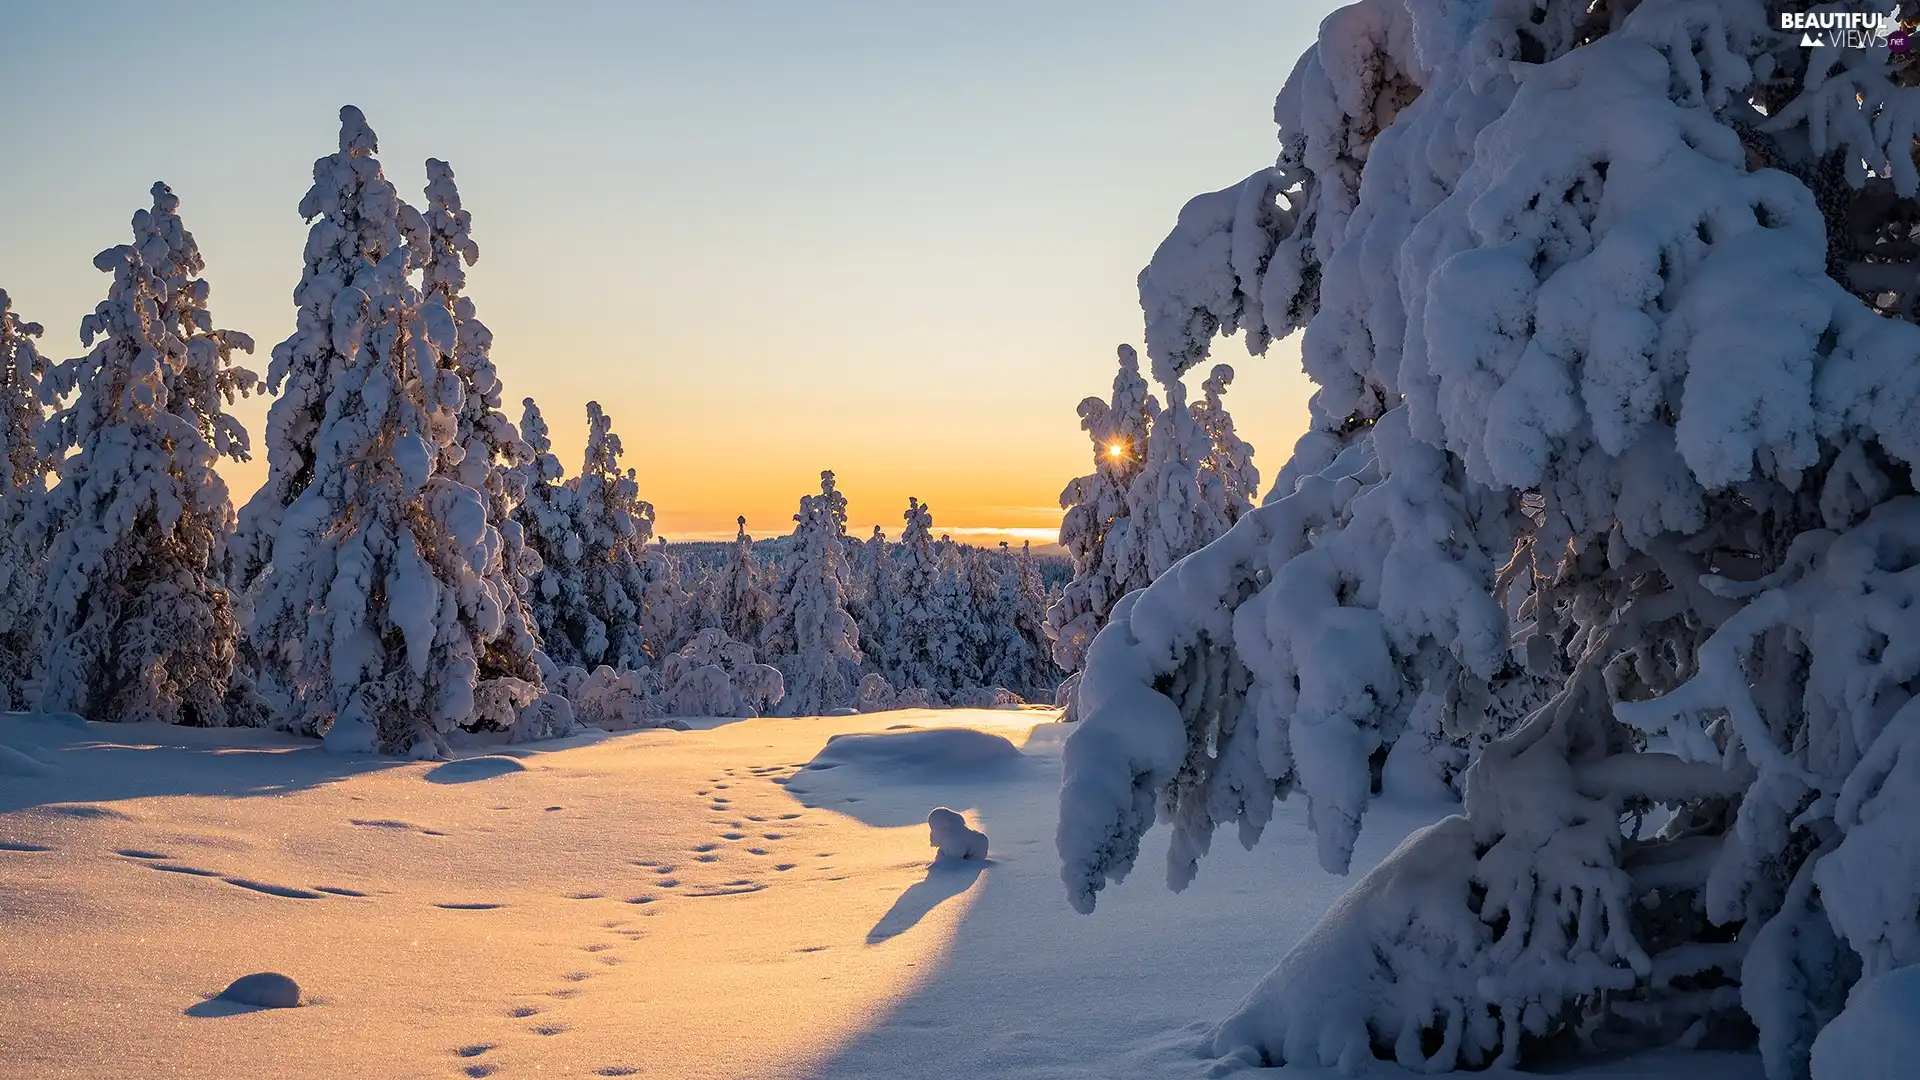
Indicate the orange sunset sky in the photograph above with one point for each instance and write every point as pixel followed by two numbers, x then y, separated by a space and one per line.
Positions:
pixel 897 241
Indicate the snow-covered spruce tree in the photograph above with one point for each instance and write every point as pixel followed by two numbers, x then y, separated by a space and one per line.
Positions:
pixel 484 451
pixel 1176 504
pixel 134 622
pixel 359 223
pixel 24 467
pixel 1108 561
pixel 873 598
pixel 669 615
pixel 1613 433
pixel 1011 612
pixel 548 516
pixel 741 602
pixel 374 606
pixel 811 638
pixel 614 526
pixel 923 636
pixel 1229 480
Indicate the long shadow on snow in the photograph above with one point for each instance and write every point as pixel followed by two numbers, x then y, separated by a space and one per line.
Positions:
pixel 946 879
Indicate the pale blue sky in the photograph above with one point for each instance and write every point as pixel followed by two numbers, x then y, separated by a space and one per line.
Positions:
pixel 896 240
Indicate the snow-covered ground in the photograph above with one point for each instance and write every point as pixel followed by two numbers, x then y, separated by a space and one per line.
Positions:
pixel 744 900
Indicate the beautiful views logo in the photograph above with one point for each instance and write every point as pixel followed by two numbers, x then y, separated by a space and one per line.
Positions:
pixel 1847 29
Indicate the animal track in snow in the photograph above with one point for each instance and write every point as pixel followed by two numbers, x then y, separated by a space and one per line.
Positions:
pixel 395 826
pixel 474 1051
pixel 137 853
pixel 288 891
pixel 15 845
pixel 176 868
pixel 470 907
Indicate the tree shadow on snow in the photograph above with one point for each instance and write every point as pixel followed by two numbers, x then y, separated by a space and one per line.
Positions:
pixel 64 759
pixel 946 879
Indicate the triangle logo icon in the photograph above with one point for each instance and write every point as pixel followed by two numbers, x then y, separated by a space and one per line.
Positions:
pixel 1807 42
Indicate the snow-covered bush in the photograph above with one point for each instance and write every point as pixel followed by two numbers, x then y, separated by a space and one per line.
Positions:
pixel 23 482
pixel 1612 442
pixel 875 694
pixel 713 675
pixel 811 638
pixel 916 697
pixel 135 624
pixel 948 832
pixel 613 700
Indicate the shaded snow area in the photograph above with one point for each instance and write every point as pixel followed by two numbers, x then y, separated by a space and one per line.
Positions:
pixel 746 899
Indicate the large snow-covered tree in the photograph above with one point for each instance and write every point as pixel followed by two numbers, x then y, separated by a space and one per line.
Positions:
pixel 358 219
pixel 375 606
pixel 134 621
pixel 484 451
pixel 24 468
pixel 811 638
pixel 1108 560
pixel 1608 306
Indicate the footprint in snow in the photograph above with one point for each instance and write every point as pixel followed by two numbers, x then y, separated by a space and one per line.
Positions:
pixel 706 858
pixel 287 891
pixel 338 891
pixel 641 899
pixel 470 907
pixel 733 836
pixel 15 845
pixel 176 868
pixel 548 1029
pixel 473 1051
pixel 616 1070
pixel 138 853
pixel 521 1012
pixel 577 976
pixel 598 946
pixel 480 1069
pixel 704 847
pixel 584 895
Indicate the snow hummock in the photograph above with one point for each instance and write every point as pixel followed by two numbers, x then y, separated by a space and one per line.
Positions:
pixel 948 831
pixel 266 989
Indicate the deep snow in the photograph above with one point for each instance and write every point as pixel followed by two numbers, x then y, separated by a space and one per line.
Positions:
pixel 739 900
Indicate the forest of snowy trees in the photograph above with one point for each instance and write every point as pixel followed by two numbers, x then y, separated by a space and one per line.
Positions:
pixel 1606 521
pixel 419 562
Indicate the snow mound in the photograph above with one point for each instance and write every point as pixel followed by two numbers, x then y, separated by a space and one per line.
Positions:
pixel 941 751
pixel 1877 1036
pixel 266 989
pixel 18 763
pixel 949 832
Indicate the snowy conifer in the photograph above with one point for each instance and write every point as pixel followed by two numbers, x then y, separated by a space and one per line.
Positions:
pixel 742 603
pixel 547 515
pixel 873 601
pixel 669 613
pixel 811 637
pixel 23 483
pixel 1615 419
pixel 359 223
pixel 1108 561
pixel 135 624
pixel 922 639
pixel 614 526
pixel 485 451
pixel 375 606
pixel 1230 481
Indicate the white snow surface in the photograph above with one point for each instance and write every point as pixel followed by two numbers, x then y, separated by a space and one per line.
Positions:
pixel 738 900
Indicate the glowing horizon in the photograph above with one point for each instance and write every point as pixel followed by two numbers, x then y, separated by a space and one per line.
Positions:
pixel 898 244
